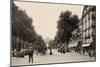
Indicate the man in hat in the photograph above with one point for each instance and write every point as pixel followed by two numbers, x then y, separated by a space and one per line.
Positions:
pixel 30 55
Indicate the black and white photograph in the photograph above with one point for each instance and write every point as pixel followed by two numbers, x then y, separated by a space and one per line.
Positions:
pixel 52 33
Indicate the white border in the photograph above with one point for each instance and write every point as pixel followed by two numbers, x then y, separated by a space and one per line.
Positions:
pixel 88 2
pixel 5 34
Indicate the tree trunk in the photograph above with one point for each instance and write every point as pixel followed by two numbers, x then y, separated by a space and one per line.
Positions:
pixel 67 49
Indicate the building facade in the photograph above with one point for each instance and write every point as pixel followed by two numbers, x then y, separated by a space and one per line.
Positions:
pixel 86 32
pixel 88 24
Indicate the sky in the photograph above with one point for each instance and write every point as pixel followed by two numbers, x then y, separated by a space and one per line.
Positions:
pixel 45 16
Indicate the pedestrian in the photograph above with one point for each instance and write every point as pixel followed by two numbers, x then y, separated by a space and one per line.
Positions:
pixel 50 51
pixel 30 55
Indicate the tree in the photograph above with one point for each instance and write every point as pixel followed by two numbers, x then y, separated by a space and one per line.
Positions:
pixel 66 24
pixel 23 29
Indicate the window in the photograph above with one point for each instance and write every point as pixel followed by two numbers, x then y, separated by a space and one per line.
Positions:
pixel 83 34
pixel 88 40
pixel 91 39
pixel 88 16
pixel 91 23
pixel 88 24
pixel 90 31
pixel 83 40
pixel 84 12
pixel 87 32
pixel 93 15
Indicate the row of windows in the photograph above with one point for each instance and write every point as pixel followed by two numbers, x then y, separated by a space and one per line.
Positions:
pixel 88 32
pixel 87 9
pixel 87 23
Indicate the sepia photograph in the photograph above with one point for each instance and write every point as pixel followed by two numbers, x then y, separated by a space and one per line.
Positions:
pixel 52 33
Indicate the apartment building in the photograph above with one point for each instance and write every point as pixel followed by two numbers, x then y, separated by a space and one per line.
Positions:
pixel 88 25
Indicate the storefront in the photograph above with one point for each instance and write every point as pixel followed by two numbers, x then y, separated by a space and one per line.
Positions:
pixel 72 46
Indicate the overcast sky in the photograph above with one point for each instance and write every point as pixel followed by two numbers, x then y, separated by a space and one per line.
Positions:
pixel 45 16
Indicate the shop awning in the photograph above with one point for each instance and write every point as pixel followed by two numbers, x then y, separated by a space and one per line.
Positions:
pixel 86 45
pixel 73 45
